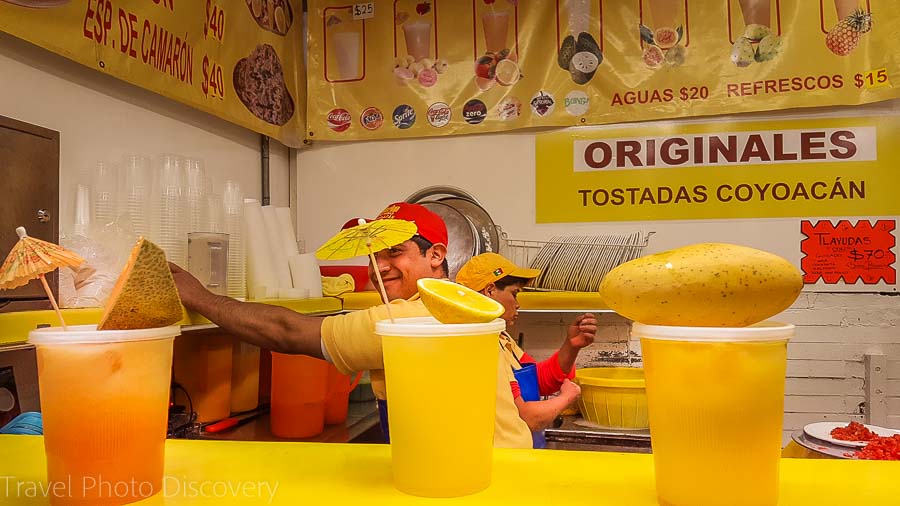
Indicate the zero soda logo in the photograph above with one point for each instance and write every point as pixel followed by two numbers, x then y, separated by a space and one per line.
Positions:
pixel 474 112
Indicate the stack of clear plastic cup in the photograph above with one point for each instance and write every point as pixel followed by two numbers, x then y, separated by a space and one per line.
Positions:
pixel 195 195
pixel 215 214
pixel 171 233
pixel 104 198
pixel 82 210
pixel 233 202
pixel 136 193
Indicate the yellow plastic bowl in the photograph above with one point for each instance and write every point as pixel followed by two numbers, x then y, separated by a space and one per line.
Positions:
pixel 613 397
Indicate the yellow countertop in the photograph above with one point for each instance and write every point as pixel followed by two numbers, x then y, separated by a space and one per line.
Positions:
pixel 529 301
pixel 354 474
pixel 14 327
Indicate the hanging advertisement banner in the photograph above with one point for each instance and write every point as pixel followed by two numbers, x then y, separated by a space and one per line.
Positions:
pixel 413 68
pixel 240 60
pixel 802 168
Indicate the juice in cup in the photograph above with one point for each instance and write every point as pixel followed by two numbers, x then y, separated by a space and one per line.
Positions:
pixel 845 8
pixel 495 25
pixel 579 15
pixel 417 35
pixel 716 403
pixel 347 54
pixel 104 398
pixel 441 384
pixel 757 12
pixel 665 13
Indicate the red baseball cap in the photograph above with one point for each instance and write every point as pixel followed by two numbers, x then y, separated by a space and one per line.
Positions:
pixel 428 224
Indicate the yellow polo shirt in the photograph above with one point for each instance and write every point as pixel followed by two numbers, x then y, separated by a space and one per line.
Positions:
pixel 352 345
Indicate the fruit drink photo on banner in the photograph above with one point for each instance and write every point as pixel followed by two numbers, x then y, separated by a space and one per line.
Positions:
pixel 804 168
pixel 414 68
pixel 240 60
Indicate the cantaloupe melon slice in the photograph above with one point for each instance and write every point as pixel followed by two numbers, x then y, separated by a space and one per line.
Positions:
pixel 145 295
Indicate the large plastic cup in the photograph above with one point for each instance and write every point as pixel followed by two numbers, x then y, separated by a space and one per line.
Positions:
pixel 441 384
pixel 716 405
pixel 299 388
pixel 104 398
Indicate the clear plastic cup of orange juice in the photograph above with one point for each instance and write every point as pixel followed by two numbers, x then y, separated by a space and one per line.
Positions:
pixel 104 399
pixel 716 405
pixel 441 382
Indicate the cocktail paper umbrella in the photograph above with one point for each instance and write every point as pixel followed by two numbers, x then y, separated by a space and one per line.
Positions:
pixel 31 258
pixel 366 238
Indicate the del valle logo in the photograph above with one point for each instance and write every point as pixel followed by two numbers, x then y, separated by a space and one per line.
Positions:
pixel 404 116
pixel 542 103
pixel 339 120
pixel 371 118
pixel 439 114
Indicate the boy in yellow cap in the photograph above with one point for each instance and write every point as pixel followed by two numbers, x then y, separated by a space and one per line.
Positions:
pixel 502 280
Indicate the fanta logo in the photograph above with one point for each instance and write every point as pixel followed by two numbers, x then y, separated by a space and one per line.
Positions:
pixel 372 118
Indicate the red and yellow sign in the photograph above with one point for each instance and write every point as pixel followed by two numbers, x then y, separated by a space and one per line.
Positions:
pixel 848 252
pixel 413 68
pixel 240 60
pixel 772 169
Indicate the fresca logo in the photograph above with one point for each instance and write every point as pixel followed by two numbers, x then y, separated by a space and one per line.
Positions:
pixel 438 114
pixel 371 118
pixel 577 103
pixel 474 111
pixel 542 103
pixel 404 116
pixel 509 109
pixel 339 120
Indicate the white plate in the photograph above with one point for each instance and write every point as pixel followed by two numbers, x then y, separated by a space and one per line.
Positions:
pixel 822 430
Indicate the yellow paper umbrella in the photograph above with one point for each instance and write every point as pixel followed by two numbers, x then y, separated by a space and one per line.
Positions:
pixel 365 239
pixel 31 258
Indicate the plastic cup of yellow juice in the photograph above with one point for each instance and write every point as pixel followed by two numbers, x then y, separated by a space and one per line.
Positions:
pixel 104 399
pixel 716 405
pixel 441 382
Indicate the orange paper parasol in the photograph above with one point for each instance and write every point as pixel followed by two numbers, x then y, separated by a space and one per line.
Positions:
pixel 30 259
pixel 365 239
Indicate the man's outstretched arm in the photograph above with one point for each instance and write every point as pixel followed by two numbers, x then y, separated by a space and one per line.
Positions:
pixel 272 327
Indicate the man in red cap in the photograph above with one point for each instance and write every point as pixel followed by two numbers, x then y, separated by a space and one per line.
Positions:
pixel 349 341
pixel 399 270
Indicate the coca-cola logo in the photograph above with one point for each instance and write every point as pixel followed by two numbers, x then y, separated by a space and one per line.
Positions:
pixel 439 114
pixel 339 120
pixel 542 103
pixel 404 116
pixel 474 112
pixel 371 118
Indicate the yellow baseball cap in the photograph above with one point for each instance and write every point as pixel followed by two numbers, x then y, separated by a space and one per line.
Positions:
pixel 486 268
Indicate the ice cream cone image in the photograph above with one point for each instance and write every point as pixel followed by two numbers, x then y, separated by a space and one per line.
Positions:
pixel 853 23
pixel 758 42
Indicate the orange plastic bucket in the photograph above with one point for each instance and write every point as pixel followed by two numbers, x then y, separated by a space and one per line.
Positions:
pixel 338 399
pixel 299 389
